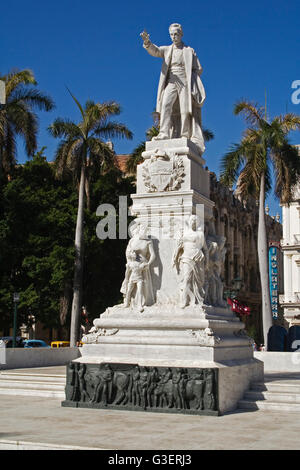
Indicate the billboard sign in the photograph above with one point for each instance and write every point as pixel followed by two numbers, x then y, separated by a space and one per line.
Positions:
pixel 273 278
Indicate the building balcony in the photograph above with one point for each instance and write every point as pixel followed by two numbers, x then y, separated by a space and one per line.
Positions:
pixel 292 243
pixel 290 300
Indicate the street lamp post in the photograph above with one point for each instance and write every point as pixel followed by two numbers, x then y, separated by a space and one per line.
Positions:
pixel 16 300
pixel 236 287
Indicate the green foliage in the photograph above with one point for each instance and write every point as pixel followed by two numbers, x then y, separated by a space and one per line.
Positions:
pixel 83 154
pixel 264 146
pixel 36 240
pixel 82 144
pixel 104 256
pixel 37 225
pixel 17 116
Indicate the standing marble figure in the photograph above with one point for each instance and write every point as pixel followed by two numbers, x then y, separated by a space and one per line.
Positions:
pixel 180 91
pixel 137 286
pixel 189 260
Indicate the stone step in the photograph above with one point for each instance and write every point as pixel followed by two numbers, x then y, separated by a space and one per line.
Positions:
pixel 289 387
pixel 268 405
pixel 275 397
pixel 26 445
pixel 278 392
pixel 33 393
pixel 32 384
pixel 32 377
pixel 6 383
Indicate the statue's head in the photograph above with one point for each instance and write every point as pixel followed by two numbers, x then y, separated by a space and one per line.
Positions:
pixel 143 231
pixel 138 229
pixel 222 241
pixel 176 33
pixel 193 222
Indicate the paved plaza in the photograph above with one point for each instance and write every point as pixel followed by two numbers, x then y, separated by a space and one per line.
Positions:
pixel 43 423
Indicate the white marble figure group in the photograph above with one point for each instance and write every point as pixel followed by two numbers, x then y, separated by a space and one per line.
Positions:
pixel 198 261
pixel 137 286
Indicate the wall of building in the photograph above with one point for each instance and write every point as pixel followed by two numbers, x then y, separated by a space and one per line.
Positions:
pixel 290 245
pixel 238 222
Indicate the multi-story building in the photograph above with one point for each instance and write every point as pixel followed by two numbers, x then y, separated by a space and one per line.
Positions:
pixel 290 245
pixel 238 222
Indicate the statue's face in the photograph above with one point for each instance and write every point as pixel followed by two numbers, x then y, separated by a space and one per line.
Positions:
pixel 143 231
pixel 176 36
pixel 193 222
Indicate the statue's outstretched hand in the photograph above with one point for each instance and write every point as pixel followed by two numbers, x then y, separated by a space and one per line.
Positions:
pixel 145 36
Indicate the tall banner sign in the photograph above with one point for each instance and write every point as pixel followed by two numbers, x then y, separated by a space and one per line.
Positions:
pixel 273 277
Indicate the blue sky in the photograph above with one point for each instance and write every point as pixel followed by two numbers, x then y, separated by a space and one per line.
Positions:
pixel 94 48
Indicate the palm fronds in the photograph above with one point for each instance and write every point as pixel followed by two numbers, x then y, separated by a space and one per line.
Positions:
pixel 83 142
pixel 17 116
pixel 263 146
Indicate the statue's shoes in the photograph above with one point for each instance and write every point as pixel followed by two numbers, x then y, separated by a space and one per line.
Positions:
pixel 160 136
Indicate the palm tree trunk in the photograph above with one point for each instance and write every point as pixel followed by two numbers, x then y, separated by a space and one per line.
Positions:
pixel 78 268
pixel 65 302
pixel 262 249
pixel 88 193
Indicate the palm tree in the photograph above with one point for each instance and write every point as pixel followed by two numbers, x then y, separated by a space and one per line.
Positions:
pixel 264 147
pixel 17 117
pixel 82 151
pixel 136 156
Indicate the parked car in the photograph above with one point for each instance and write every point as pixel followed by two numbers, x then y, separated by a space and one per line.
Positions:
pixel 35 343
pixel 63 344
pixel 60 344
pixel 8 341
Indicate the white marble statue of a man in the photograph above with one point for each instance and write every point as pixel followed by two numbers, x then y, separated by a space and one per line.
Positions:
pixel 180 92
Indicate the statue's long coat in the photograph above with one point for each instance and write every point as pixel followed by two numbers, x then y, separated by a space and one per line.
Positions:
pixel 193 70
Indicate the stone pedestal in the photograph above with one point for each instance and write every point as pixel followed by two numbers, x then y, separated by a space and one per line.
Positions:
pixel 172 184
pixel 168 335
pixel 187 346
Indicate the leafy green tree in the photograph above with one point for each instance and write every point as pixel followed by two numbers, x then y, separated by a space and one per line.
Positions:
pixel 83 152
pixel 36 243
pixel 17 116
pixel 264 146
pixel 105 260
pixel 37 220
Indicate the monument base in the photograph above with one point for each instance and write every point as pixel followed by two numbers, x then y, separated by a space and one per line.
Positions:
pixel 135 387
pixel 211 390
pixel 196 360
pixel 173 345
pixel 168 335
